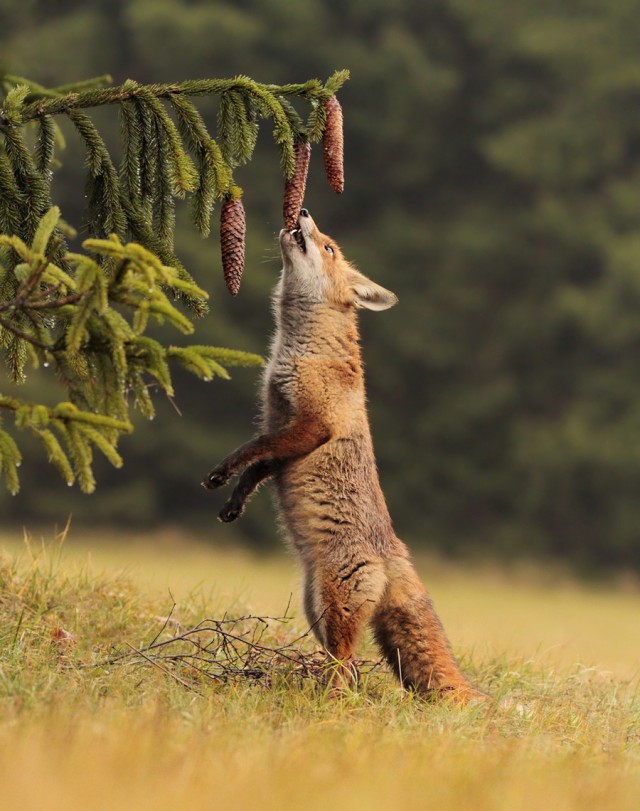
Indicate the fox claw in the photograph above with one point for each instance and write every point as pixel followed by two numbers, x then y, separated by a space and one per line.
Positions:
pixel 216 478
pixel 229 513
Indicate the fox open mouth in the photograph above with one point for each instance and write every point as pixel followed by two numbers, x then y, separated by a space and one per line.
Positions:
pixel 299 238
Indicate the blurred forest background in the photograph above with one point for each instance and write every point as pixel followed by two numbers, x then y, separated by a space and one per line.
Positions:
pixel 492 182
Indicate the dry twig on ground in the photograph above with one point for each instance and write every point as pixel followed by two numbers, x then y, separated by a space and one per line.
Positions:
pixel 234 650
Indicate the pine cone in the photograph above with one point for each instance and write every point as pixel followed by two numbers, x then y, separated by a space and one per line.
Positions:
pixel 295 186
pixel 333 145
pixel 232 233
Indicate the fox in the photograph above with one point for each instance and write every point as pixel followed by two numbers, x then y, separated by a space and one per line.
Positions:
pixel 316 445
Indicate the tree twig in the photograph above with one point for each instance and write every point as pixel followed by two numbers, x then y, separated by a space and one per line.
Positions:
pixel 166 670
pixel 25 335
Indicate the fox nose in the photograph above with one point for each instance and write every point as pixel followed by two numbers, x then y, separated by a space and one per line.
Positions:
pixel 304 212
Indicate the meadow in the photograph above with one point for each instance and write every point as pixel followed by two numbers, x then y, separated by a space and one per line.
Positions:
pixel 82 728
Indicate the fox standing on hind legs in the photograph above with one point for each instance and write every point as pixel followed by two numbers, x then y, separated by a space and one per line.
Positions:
pixel 317 446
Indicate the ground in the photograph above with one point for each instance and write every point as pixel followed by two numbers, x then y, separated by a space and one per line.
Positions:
pixel 78 729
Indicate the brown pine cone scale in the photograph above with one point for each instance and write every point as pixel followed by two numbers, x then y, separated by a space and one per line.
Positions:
pixel 232 233
pixel 333 145
pixel 295 186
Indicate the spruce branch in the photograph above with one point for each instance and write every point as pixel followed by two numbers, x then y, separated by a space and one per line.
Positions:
pixel 38 90
pixel 88 322
pixel 86 314
pixel 167 151
pixel 97 97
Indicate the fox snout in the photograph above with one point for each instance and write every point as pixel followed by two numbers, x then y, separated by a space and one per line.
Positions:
pixel 296 237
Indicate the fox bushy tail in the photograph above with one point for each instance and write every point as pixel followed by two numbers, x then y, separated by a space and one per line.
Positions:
pixel 412 638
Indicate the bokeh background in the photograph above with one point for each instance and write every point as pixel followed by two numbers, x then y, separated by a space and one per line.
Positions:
pixel 492 182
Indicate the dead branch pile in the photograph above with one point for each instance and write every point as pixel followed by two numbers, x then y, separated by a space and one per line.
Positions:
pixel 248 649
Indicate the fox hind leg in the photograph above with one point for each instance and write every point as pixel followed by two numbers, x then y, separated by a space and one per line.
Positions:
pixel 412 639
pixel 338 606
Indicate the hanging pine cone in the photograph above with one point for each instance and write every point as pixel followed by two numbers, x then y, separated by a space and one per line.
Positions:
pixel 232 233
pixel 295 186
pixel 333 145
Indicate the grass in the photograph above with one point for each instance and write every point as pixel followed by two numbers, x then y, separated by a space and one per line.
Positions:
pixel 562 732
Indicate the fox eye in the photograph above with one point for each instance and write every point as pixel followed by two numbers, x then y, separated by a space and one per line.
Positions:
pixel 329 249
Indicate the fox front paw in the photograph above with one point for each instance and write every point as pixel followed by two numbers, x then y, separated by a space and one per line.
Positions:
pixel 216 478
pixel 230 512
pixel 232 509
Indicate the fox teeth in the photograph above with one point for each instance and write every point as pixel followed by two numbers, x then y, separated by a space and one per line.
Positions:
pixel 297 234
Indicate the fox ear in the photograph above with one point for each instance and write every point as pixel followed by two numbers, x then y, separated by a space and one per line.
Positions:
pixel 372 296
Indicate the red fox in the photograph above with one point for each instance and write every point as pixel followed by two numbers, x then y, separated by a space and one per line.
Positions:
pixel 317 446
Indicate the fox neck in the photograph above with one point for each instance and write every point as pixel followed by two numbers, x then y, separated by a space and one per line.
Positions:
pixel 306 326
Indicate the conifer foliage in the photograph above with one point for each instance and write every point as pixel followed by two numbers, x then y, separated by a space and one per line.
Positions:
pixel 85 314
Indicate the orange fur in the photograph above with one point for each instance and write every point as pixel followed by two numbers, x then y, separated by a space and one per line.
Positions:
pixel 317 444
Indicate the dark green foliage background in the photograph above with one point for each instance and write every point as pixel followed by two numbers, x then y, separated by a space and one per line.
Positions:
pixel 493 182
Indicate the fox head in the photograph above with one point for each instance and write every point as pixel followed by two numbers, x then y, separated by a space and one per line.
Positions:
pixel 315 268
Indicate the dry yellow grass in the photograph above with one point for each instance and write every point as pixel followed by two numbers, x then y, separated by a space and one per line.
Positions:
pixel 566 736
pixel 147 763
